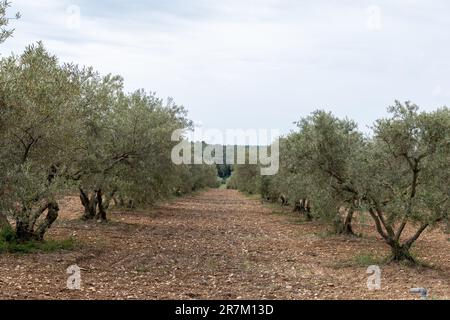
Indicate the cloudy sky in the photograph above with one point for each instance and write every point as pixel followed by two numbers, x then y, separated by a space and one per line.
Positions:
pixel 255 63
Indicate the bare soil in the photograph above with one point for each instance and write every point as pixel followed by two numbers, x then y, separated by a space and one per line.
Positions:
pixel 218 244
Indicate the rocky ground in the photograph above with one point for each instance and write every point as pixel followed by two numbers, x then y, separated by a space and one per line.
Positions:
pixel 218 244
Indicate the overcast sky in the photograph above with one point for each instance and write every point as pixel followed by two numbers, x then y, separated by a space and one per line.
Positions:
pixel 255 63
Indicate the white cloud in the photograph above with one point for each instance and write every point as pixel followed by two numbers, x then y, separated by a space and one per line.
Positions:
pixel 251 63
pixel 437 91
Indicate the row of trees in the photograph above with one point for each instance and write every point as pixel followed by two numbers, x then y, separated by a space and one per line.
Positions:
pixel 64 127
pixel 399 175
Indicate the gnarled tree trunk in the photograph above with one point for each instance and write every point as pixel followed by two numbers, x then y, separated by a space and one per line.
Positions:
pixel 89 202
pixel 284 201
pixel 400 252
pixel 303 206
pixel 52 215
pixel 96 204
pixel 26 229
pixel 23 232
pixel 344 226
pixel 101 214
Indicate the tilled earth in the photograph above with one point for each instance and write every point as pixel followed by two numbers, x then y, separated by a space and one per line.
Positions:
pixel 218 244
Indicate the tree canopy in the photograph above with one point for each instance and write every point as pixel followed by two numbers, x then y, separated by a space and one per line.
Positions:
pixel 64 127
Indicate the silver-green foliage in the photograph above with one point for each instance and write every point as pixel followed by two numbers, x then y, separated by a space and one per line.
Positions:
pixel 38 125
pixel 400 174
pixel 65 127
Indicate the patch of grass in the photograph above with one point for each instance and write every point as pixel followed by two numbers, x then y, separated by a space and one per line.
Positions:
pixel 35 246
pixel 361 260
pixel 367 259
pixel 252 196
pixel 246 265
pixel 210 263
pixel 9 244
pixel 7 234
pixel 325 234
pixel 143 268
pixel 298 221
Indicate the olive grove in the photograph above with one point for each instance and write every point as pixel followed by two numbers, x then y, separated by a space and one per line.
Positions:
pixel 398 175
pixel 64 128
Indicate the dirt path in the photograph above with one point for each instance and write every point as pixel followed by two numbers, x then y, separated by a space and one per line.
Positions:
pixel 218 244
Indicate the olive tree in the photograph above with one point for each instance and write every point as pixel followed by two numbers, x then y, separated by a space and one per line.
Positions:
pixel 64 126
pixel 321 159
pixel 246 177
pixel 150 174
pixel 98 101
pixel 127 146
pixel 195 177
pixel 38 125
pixel 404 175
pixel 292 181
